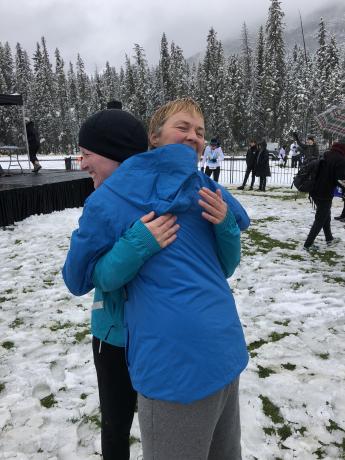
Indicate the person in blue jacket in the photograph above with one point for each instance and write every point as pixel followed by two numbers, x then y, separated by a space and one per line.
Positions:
pixel 184 341
pixel 145 238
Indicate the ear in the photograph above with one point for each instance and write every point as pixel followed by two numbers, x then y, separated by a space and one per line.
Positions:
pixel 154 139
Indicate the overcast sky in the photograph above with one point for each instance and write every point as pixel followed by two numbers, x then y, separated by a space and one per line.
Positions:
pixel 102 30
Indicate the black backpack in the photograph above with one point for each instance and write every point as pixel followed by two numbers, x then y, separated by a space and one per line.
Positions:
pixel 306 177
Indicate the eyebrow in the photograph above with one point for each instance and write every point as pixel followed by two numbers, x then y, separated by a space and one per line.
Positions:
pixel 186 123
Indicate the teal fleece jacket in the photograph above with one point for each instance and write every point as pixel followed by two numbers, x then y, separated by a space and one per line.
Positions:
pixel 120 265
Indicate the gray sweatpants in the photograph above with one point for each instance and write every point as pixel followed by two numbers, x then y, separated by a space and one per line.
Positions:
pixel 208 429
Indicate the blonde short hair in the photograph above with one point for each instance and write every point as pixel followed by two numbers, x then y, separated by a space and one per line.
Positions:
pixel 161 115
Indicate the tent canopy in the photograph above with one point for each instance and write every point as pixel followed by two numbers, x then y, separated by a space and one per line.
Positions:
pixel 11 99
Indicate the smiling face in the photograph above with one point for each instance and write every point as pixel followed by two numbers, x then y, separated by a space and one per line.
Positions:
pixel 181 128
pixel 97 166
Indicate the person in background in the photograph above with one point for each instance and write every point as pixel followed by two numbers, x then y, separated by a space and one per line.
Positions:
pixel 34 143
pixel 282 156
pixel 212 158
pixel 310 150
pixel 331 170
pixel 262 168
pixel 294 154
pixel 251 158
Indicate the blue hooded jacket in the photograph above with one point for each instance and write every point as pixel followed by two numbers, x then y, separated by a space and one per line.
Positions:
pixel 184 337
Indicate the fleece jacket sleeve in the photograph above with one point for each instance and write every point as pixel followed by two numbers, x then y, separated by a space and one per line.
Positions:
pixel 228 243
pixel 121 264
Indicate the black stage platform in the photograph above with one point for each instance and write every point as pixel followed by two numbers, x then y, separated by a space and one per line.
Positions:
pixel 22 195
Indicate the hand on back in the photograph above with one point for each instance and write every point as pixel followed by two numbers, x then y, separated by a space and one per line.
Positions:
pixel 163 228
pixel 215 208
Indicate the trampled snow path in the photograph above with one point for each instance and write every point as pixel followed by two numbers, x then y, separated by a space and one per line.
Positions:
pixel 291 304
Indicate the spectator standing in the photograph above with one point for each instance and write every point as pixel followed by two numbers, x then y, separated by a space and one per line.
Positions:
pixel 294 153
pixel 310 150
pixel 34 144
pixel 262 168
pixel 282 156
pixel 331 170
pixel 251 158
pixel 213 156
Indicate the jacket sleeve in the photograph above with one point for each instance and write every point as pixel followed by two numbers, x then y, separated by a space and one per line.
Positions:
pixel 228 243
pixel 121 264
pixel 93 238
pixel 237 209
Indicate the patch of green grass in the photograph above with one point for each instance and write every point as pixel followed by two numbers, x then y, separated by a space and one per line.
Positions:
pixel 283 323
pixel 79 336
pixel 294 257
pixel 295 286
pixel 16 323
pixel 3 299
pixel 320 453
pixel 284 432
pixel 289 366
pixel 8 291
pixel 18 268
pixel 48 282
pixel 264 243
pixel 8 344
pixel 266 219
pixel 48 401
pixel 83 396
pixel 330 258
pixel 17 241
pixel 323 355
pixel 301 430
pixel 92 419
pixel 269 430
pixel 275 336
pixel 334 280
pixel 2 387
pixel 55 327
pixel 270 410
pixel 333 426
pixel 265 372
pixel 256 344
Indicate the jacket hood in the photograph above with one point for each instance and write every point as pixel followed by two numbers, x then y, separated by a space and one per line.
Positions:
pixel 164 174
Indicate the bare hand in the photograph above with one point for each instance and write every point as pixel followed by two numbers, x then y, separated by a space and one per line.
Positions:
pixel 213 204
pixel 163 228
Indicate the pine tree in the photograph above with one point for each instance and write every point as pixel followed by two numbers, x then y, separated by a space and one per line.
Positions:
pixel 246 66
pixel 23 75
pixel 164 71
pixel 83 91
pixel 178 73
pixel 140 104
pixel 257 123
pixel 274 70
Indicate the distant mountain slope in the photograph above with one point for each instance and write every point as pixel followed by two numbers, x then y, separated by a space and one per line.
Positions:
pixel 334 18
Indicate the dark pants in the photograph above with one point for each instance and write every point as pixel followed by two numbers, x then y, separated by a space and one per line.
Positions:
pixel 215 172
pixel 33 155
pixel 248 171
pixel 117 400
pixel 262 185
pixel 322 221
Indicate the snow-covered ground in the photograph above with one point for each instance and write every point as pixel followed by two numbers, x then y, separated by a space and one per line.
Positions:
pixel 291 304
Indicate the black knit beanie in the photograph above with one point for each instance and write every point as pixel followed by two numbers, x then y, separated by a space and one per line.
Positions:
pixel 114 134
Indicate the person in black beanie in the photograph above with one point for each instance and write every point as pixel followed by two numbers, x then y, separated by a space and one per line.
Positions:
pixel 106 139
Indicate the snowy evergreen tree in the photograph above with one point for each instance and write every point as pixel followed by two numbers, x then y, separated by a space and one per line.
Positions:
pixel 179 72
pixel 274 71
pixel 164 71
pixel 257 123
pixel 140 103
pixel 24 75
pixel 246 70
pixel 83 91
pixel 65 135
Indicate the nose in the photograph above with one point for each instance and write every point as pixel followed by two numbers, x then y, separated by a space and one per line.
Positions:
pixel 83 164
pixel 191 135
